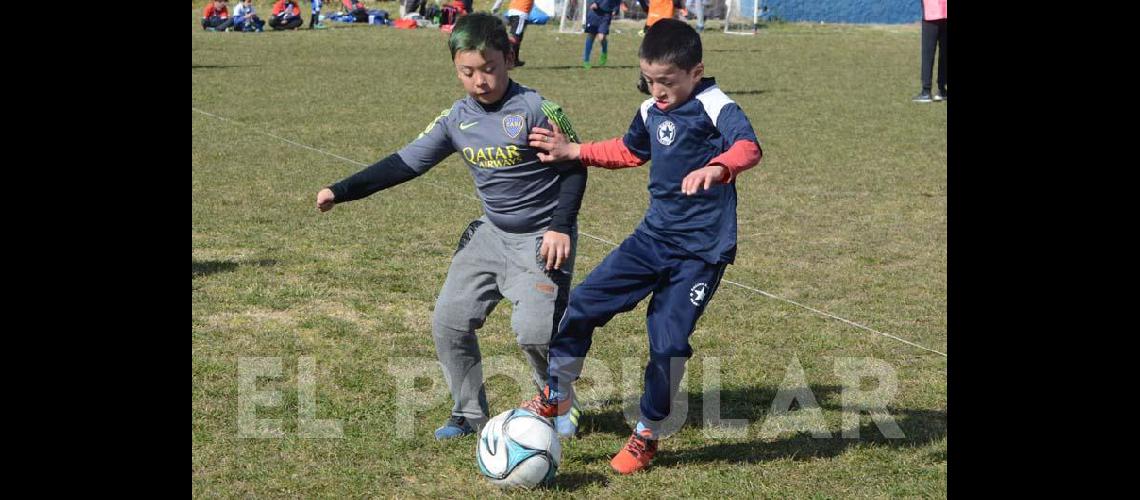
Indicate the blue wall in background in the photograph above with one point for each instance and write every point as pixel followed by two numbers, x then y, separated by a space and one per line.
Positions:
pixel 844 11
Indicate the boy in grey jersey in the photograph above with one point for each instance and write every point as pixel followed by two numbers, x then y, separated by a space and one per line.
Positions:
pixel 522 248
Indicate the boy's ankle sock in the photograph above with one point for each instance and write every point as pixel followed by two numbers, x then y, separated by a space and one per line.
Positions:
pixel 641 429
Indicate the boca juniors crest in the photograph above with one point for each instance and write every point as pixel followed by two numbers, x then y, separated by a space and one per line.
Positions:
pixel 513 125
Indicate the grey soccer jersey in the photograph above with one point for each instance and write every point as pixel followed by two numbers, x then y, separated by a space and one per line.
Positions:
pixel 519 192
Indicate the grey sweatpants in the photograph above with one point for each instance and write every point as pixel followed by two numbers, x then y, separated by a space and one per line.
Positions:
pixel 490 264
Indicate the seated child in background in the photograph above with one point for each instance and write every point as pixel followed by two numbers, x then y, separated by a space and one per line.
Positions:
pixel 216 16
pixel 286 15
pixel 245 18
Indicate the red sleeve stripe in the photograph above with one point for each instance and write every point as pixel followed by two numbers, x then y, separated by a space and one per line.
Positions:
pixel 608 154
pixel 742 156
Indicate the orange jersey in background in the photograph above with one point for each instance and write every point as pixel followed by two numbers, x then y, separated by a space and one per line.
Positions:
pixel 659 9
pixel 210 11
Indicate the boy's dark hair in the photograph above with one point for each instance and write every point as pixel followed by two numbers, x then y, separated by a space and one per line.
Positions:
pixel 479 31
pixel 670 41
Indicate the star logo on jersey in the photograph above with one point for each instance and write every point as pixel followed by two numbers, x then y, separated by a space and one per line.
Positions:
pixel 697 293
pixel 666 132
pixel 512 125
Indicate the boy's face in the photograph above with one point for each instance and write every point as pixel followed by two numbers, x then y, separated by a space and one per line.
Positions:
pixel 484 75
pixel 671 85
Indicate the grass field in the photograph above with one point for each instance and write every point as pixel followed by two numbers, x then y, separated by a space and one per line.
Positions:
pixel 846 214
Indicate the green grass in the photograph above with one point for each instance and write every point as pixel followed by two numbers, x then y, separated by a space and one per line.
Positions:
pixel 847 213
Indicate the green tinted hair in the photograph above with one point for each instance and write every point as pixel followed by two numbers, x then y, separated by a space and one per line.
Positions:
pixel 479 31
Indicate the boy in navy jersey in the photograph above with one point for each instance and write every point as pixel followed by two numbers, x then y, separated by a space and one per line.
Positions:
pixel 699 141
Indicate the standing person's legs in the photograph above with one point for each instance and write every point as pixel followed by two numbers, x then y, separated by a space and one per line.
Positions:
pixel 700 7
pixel 605 49
pixel 469 294
pixel 409 7
pixel 591 30
pixel 942 57
pixel 516 25
pixel 929 38
pixel 588 48
pixel 315 13
pixel 520 30
pixel 603 30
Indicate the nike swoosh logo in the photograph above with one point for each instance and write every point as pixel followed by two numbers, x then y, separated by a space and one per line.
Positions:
pixel 465 126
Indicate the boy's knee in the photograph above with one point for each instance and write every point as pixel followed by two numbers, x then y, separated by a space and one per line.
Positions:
pixel 440 329
pixel 672 352
pixel 579 314
pixel 530 331
pixel 536 352
pixel 445 324
pixel 454 313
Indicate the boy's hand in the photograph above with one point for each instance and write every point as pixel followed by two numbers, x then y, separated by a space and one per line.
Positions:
pixel 555 249
pixel 702 178
pixel 555 144
pixel 325 200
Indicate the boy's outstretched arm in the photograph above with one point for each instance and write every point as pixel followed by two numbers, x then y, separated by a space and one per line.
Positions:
pixel 428 149
pixel 556 146
pixel 612 153
pixel 380 175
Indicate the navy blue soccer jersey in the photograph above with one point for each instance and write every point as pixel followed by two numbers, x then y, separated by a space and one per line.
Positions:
pixel 678 142
pixel 607 6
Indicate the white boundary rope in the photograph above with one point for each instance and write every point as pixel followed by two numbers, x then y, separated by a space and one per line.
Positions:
pixel 583 233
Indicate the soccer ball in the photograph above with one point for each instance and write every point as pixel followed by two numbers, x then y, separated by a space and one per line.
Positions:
pixel 518 449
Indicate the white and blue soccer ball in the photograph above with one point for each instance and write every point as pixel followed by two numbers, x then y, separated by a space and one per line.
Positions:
pixel 518 449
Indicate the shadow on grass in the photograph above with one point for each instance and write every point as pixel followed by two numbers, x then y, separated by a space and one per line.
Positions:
pixel 208 267
pixel 745 92
pixel 222 66
pixel 579 66
pixel 574 481
pixel 920 427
